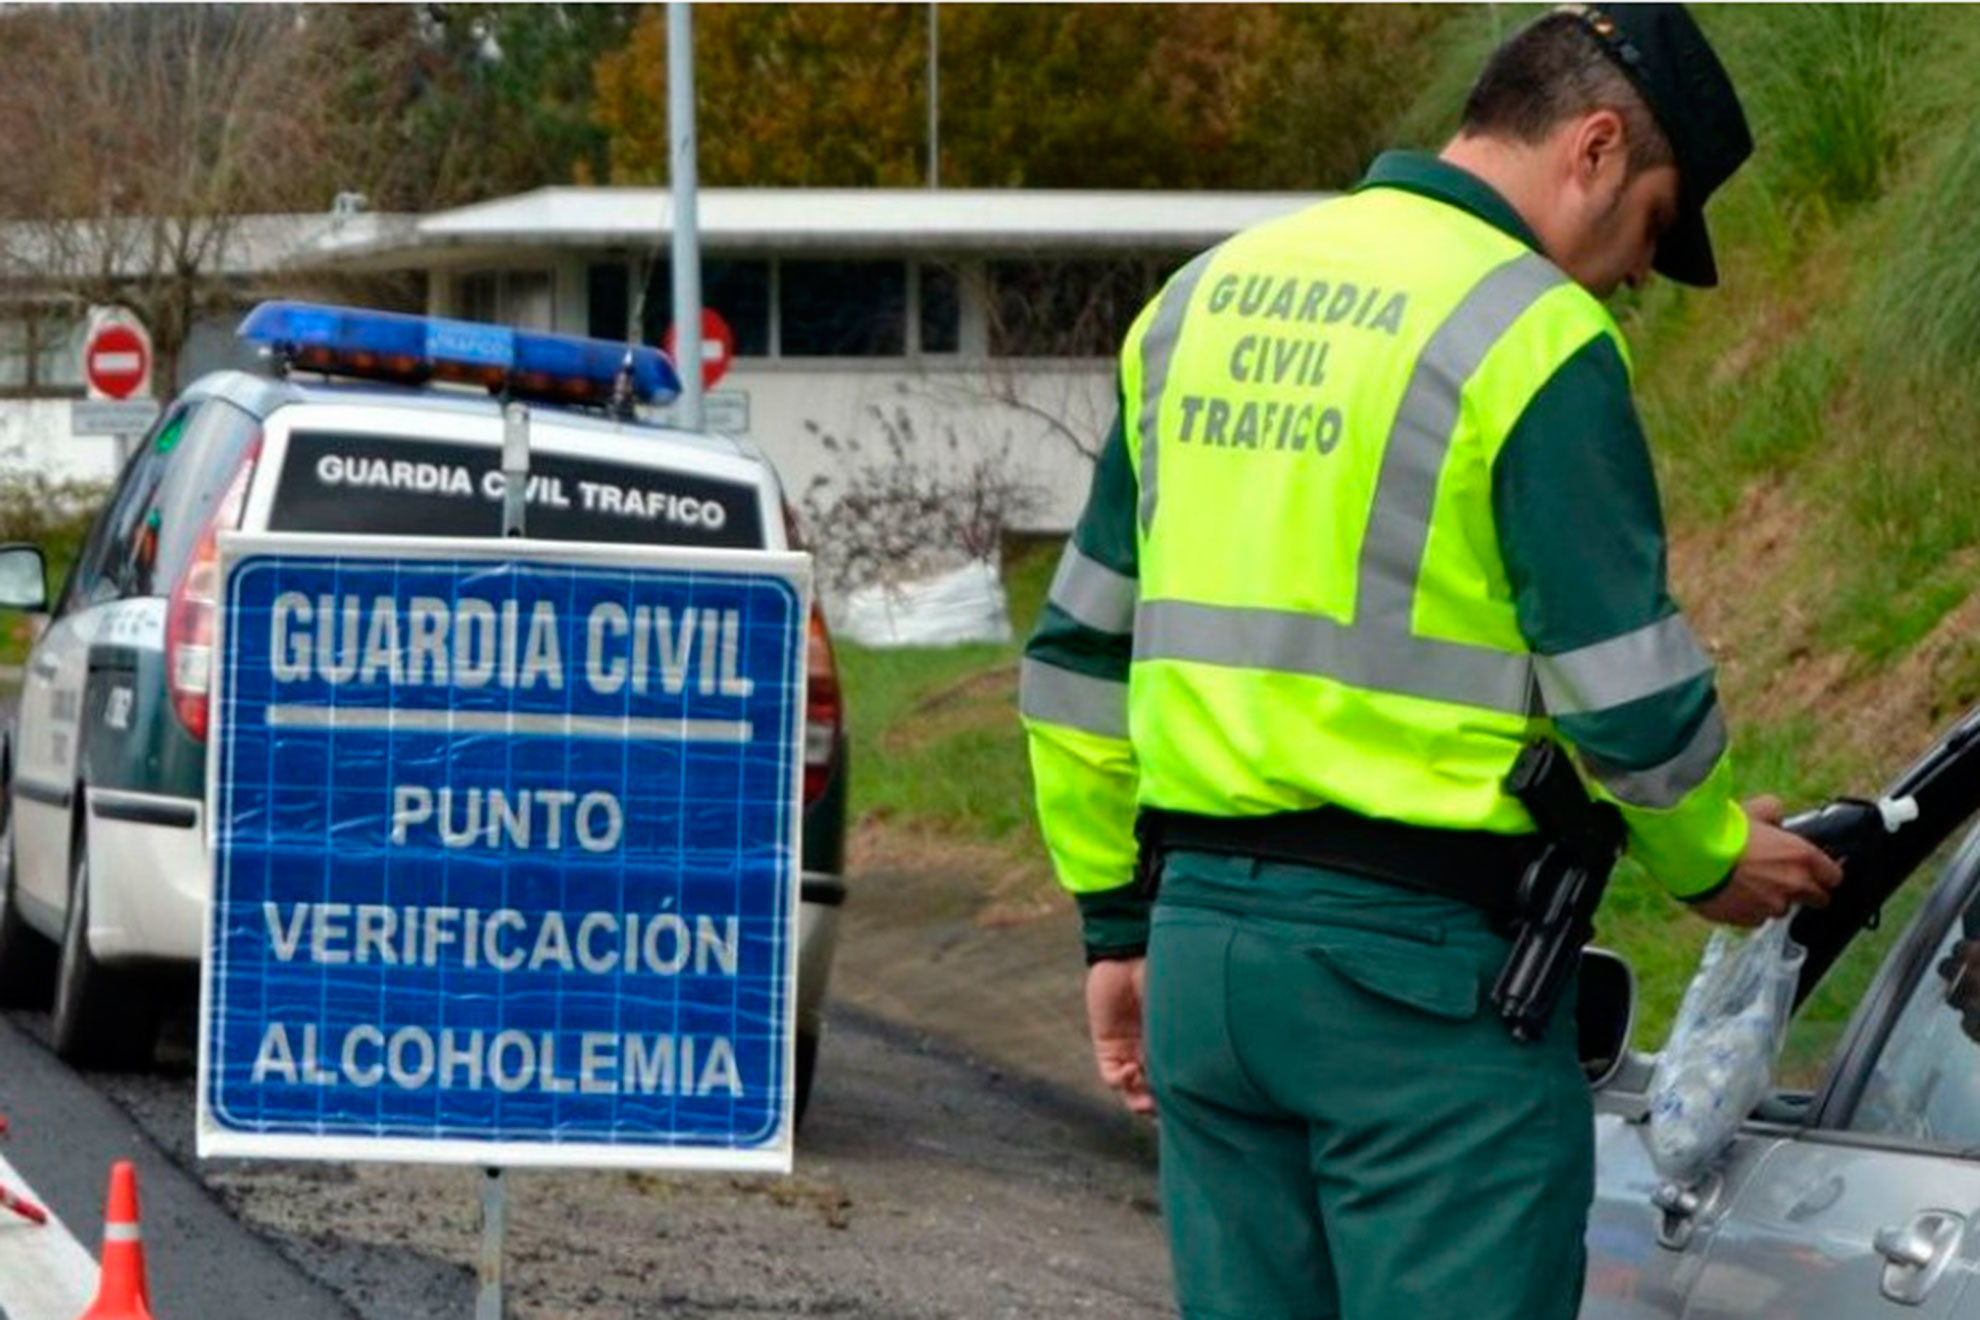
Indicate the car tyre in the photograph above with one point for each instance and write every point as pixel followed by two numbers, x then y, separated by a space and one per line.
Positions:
pixel 807 1064
pixel 27 958
pixel 98 1021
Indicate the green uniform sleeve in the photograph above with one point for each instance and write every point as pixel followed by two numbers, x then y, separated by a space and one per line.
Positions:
pixel 1626 682
pixel 1072 694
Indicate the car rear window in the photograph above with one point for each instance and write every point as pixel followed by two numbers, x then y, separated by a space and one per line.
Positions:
pixel 383 486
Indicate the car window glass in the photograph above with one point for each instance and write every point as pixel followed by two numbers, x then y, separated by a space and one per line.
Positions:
pixel 1925 1085
pixel 1819 1024
pixel 104 569
pixel 206 458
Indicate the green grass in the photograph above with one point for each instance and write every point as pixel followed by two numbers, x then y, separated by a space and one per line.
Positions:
pixel 55 516
pixel 935 736
pixel 923 750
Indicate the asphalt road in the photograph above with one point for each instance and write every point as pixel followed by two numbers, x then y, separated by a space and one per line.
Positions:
pixel 64 1135
pixel 928 1186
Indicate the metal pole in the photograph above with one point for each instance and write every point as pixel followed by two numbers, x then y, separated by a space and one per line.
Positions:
pixel 687 228
pixel 934 95
pixel 515 467
pixel 494 1191
pixel 494 1224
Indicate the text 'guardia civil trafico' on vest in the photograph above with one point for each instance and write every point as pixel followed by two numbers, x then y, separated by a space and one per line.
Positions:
pixel 1308 302
pixel 1278 356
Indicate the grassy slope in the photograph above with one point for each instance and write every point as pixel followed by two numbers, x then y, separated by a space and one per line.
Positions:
pixel 934 731
pixel 1813 423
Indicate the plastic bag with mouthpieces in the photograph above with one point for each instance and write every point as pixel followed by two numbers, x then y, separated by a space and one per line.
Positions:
pixel 1719 1060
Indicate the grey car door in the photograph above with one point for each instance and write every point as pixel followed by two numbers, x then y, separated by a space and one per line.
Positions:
pixel 1870 1209
pixel 1644 1259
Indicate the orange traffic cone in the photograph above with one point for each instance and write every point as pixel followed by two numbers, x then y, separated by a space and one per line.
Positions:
pixel 121 1295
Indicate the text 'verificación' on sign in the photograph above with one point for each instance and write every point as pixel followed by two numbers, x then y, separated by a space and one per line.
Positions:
pixel 505 852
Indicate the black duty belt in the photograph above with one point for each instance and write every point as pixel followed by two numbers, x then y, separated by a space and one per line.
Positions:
pixel 1472 866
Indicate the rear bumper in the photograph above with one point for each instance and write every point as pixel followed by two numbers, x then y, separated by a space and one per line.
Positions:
pixel 148 876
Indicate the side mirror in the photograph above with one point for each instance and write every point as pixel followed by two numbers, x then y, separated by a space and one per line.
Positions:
pixel 1605 1014
pixel 23 578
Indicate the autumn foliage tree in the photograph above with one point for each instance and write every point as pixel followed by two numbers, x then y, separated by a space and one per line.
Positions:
pixel 457 103
pixel 1039 96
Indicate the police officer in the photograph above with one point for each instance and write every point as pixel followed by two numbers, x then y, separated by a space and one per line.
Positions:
pixel 1376 511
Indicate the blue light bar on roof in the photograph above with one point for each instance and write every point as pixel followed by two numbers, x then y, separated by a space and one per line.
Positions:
pixel 413 350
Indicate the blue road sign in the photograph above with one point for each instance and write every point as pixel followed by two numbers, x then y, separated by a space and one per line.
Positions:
pixel 505 853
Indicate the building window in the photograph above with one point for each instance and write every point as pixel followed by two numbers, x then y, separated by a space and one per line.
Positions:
pixel 1064 309
pixel 941 309
pixel 40 351
pixel 522 298
pixel 842 308
pixel 738 291
pixel 608 309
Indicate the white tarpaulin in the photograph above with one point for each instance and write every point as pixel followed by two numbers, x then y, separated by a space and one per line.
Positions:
pixel 966 605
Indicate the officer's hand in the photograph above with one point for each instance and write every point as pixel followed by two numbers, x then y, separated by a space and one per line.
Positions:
pixel 1961 970
pixel 1777 871
pixel 1113 1014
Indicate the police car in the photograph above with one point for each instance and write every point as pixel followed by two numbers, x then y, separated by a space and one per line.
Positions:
pixel 358 435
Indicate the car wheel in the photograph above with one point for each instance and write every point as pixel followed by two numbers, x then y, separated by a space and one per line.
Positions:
pixel 807 1064
pixel 98 1020
pixel 27 959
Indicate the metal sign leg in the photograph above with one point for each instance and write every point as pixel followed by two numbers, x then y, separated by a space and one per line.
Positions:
pixel 494 1225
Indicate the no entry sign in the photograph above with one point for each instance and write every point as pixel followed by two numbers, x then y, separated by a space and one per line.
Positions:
pixel 718 346
pixel 117 360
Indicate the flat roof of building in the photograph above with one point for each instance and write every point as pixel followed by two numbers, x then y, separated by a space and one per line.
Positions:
pixel 841 220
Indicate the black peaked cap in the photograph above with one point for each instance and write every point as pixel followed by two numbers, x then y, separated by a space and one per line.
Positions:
pixel 1666 56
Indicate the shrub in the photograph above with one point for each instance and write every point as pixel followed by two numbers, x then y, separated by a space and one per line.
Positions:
pixel 50 513
pixel 905 508
pixel 1831 99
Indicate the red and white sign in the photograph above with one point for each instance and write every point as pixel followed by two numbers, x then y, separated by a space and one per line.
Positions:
pixel 718 347
pixel 117 360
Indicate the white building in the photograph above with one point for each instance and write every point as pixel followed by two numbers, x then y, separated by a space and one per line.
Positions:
pixel 986 318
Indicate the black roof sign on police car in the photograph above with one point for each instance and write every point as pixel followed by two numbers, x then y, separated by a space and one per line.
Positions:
pixel 505 853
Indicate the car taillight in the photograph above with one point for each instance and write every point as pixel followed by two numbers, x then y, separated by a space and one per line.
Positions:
pixel 823 711
pixel 189 618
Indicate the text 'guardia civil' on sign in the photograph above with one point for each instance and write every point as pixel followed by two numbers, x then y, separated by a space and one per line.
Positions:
pixel 474 643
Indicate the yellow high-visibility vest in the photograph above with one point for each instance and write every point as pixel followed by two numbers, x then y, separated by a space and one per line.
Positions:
pixel 1322 613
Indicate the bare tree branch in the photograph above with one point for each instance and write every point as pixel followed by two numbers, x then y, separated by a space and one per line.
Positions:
pixel 139 135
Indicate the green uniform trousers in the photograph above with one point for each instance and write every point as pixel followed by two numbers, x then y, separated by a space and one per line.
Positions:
pixel 1347 1128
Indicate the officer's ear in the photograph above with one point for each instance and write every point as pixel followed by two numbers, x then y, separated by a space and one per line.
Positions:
pixel 1597 146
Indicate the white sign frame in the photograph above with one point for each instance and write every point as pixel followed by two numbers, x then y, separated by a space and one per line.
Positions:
pixel 213 1139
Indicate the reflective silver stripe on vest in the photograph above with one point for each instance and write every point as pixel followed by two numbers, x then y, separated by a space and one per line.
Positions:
pixel 1079 701
pixel 1158 347
pixel 1664 786
pixel 1285 641
pixel 1623 669
pixel 1094 595
pixel 1378 652
pixel 1420 436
